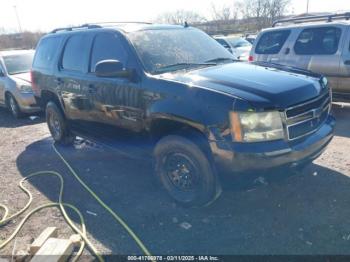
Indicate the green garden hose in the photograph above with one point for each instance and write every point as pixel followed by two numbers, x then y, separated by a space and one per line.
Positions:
pixel 82 232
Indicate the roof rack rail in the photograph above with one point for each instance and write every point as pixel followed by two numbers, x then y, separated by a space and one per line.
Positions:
pixel 85 26
pixel 120 22
pixel 94 26
pixel 311 18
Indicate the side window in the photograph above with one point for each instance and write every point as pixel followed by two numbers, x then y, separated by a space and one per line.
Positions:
pixel 318 41
pixel 107 46
pixel 272 42
pixel 46 52
pixel 75 53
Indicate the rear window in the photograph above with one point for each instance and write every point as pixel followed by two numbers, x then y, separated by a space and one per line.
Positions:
pixel 46 52
pixel 318 41
pixel 272 42
pixel 75 53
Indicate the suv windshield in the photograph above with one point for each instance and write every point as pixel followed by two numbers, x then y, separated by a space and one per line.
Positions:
pixel 16 64
pixel 173 49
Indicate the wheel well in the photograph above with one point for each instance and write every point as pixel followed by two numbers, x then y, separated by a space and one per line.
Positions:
pixel 48 96
pixel 163 127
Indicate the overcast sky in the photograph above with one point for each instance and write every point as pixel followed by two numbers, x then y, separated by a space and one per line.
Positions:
pixel 46 14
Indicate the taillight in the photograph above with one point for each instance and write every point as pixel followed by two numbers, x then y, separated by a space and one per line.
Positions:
pixel 251 58
pixel 34 86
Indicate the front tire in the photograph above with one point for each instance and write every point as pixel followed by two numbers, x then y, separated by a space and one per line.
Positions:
pixel 185 171
pixel 13 106
pixel 58 125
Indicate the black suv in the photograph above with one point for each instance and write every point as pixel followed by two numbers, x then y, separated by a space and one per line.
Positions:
pixel 203 112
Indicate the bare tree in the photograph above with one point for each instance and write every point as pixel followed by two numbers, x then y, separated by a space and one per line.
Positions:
pixel 179 17
pixel 263 11
pixel 223 13
pixel 277 8
pixel 23 40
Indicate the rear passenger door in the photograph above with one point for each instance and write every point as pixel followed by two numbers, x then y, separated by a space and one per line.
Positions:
pixel 72 77
pixel 270 46
pixel 116 101
pixel 318 49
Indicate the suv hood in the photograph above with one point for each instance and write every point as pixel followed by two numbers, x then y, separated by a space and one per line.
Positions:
pixel 21 77
pixel 263 85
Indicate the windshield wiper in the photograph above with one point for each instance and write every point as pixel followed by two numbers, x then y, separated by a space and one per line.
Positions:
pixel 221 59
pixel 179 66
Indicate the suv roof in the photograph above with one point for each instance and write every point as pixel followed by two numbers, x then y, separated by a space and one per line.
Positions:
pixel 314 20
pixel 295 26
pixel 126 27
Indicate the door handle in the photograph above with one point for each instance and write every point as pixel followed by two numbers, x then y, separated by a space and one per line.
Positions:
pixel 347 62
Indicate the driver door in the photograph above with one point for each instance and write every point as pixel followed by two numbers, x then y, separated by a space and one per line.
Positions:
pixel 116 101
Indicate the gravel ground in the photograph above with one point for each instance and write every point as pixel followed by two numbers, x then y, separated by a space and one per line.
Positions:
pixel 304 213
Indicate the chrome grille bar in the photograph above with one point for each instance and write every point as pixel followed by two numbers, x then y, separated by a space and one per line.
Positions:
pixel 312 115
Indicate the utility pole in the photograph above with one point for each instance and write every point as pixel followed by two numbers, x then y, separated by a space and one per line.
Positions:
pixel 18 21
pixel 307 6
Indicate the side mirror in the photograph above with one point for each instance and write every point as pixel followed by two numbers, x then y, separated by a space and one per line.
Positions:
pixel 111 68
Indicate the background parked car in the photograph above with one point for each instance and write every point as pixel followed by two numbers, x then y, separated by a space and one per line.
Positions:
pixel 238 46
pixel 250 38
pixel 322 46
pixel 15 85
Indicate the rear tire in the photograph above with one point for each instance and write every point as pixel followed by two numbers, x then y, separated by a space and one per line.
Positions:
pixel 13 106
pixel 185 171
pixel 58 125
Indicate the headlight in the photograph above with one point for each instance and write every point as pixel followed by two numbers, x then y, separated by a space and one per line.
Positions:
pixel 25 89
pixel 256 127
pixel 324 81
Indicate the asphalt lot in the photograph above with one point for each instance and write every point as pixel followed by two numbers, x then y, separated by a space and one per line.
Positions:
pixel 303 213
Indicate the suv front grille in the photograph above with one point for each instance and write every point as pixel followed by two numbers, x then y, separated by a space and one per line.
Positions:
pixel 306 118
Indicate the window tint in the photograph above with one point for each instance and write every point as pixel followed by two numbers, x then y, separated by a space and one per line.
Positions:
pixel 76 52
pixel 272 42
pixel 46 52
pixel 318 41
pixel 107 46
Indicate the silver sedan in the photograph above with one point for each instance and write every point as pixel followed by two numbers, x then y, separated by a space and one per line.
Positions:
pixel 15 85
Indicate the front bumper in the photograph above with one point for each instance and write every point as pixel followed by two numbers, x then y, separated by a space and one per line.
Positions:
pixel 241 157
pixel 27 102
